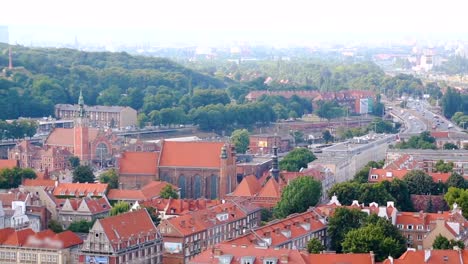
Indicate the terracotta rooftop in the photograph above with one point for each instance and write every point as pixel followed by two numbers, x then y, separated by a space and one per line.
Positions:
pixel 249 186
pixel 39 182
pixel 333 258
pixel 13 195
pixel 81 189
pixel 271 189
pixel 180 206
pixel 8 164
pixel 44 239
pixel 236 254
pixel 149 191
pixel 124 229
pixel 430 257
pixel 440 134
pixel 64 137
pixel 139 163
pixel 191 154
pixel 389 175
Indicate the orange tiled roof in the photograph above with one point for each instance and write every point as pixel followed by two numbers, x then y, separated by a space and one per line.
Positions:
pixel 14 195
pixel 432 256
pixel 235 253
pixel 439 176
pixel 249 186
pixel 128 227
pixel 139 163
pixel 149 191
pixel 386 174
pixel 180 206
pixel 80 189
pixel 39 182
pixel 49 239
pixel 17 238
pixel 65 137
pixel 270 189
pixel 333 258
pixel 191 154
pixel 8 164
pixel 439 134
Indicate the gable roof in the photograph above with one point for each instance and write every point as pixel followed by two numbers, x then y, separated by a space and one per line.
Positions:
pixel 145 163
pixel 439 134
pixel 191 154
pixel 389 175
pixel 81 189
pixel 49 239
pixel 128 227
pixel 180 206
pixel 429 257
pixel 270 189
pixel 39 182
pixel 249 186
pixel 65 137
pixel 8 164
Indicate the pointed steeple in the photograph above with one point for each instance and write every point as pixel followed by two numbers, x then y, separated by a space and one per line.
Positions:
pixel 274 164
pixel 81 111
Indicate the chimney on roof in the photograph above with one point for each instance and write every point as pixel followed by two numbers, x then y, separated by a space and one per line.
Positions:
pixel 390 259
pixel 427 255
pixel 274 164
pixel 372 255
pixel 217 252
pixel 284 258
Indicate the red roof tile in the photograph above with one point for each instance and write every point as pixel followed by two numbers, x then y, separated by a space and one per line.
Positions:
pixel 149 191
pixel 81 189
pixel 39 182
pixel 235 253
pixel 191 154
pixel 270 189
pixel 249 186
pixel 429 257
pixel 18 238
pixel 49 239
pixel 439 134
pixel 145 163
pixel 386 174
pixel 64 136
pixel 8 164
pixel 180 206
pixel 128 227
pixel 333 258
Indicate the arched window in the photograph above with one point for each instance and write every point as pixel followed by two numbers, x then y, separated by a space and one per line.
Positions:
pixel 197 187
pixel 165 177
pixel 182 186
pixel 213 187
pixel 101 151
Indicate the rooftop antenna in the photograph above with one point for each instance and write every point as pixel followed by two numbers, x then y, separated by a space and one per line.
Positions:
pixel 10 60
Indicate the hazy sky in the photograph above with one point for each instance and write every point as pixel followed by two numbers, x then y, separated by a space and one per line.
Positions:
pixel 204 20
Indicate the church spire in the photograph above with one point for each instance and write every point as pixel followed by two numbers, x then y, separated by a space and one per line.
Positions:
pixel 275 167
pixel 81 111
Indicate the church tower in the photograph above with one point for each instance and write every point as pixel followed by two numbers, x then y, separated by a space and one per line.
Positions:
pixel 80 134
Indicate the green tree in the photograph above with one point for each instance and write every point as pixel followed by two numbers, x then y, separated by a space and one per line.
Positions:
pixel 12 178
pixel 298 196
pixel 346 192
pixel 342 221
pixel 377 235
pixel 83 173
pixel 458 196
pixel 329 110
pixel 419 182
pixel 451 102
pixel 81 226
pixel 55 226
pixel 296 159
pixel 119 208
pixel 442 242
pixel 74 162
pixel 315 246
pixel 327 136
pixel 168 192
pixel 241 140
pixel 399 190
pixel 153 214
pixel 110 177
pixel 450 146
pixel 266 215
pixel 456 180
pixel 441 166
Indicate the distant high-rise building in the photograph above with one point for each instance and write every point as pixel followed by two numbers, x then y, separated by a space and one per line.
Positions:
pixel 4 35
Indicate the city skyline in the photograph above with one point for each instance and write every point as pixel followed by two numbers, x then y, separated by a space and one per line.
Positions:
pixel 207 22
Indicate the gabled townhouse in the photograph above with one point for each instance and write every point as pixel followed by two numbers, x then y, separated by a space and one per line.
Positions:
pixel 421 228
pixel 77 209
pixel 27 246
pixel 187 235
pixel 125 238
pixel 379 175
pixel 293 232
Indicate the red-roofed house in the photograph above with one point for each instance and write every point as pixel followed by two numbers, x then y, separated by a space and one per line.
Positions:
pixel 230 253
pixel 125 238
pixel 76 209
pixel 8 163
pixel 430 257
pixel 81 189
pixel 292 232
pixel 379 175
pixel 199 169
pixel 149 191
pixel 136 169
pixel 26 246
pixel 187 235
pixel 168 208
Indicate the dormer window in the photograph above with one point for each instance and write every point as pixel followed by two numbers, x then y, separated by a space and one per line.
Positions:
pixel 410 227
pixel 420 227
pixel 247 260
pixel 374 176
pixel 270 261
pixel 225 259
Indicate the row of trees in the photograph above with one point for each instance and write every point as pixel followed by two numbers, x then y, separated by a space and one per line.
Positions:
pixel 17 129
pixel 453 102
pixel 12 178
pixel 422 141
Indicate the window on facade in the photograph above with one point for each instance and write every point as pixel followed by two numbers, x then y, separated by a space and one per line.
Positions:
pixel 420 237
pixel 420 227
pixel 197 187
pixel 374 177
pixel 410 227
pixel 182 185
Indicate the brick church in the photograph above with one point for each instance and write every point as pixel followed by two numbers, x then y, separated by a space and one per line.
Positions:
pixel 90 145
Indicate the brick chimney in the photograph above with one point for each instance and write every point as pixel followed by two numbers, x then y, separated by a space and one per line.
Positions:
pixel 217 252
pixel 372 255
pixel 284 258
